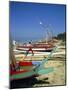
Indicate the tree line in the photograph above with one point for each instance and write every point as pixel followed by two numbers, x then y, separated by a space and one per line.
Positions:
pixel 61 36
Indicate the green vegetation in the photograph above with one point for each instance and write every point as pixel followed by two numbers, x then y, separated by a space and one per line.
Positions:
pixel 61 36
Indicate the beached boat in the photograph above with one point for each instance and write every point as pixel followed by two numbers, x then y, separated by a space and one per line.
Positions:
pixel 37 56
pixel 35 70
pixel 39 47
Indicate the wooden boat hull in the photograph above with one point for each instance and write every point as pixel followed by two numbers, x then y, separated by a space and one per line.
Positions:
pixel 25 74
pixel 22 73
pixel 36 49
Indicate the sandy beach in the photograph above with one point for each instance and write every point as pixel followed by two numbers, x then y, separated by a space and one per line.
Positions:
pixel 57 77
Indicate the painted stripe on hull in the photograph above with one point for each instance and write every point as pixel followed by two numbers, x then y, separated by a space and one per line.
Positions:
pixel 31 73
pixel 35 49
pixel 23 75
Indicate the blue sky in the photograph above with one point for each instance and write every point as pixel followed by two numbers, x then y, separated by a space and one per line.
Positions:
pixel 25 19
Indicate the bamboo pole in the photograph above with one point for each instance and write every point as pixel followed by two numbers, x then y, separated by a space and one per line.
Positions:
pixel 11 53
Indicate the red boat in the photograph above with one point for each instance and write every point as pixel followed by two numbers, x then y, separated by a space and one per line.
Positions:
pixel 17 70
pixel 39 47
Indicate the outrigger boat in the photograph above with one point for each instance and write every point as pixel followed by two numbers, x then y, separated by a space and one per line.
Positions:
pixel 40 46
pixel 18 72
pixel 36 47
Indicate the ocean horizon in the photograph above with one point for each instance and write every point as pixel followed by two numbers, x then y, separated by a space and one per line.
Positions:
pixel 25 40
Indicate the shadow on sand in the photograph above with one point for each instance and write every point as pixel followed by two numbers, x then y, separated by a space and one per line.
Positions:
pixel 27 83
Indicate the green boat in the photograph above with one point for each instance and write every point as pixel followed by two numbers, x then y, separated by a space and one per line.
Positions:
pixel 17 70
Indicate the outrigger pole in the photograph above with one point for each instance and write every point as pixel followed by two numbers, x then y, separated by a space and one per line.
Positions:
pixel 40 68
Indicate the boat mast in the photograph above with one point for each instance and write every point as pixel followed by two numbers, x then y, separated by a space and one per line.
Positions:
pixel 48 33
